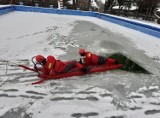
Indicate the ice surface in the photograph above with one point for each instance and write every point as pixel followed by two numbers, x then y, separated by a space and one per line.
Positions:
pixel 105 95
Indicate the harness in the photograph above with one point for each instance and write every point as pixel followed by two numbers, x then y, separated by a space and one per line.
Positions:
pixel 35 65
pixel 90 57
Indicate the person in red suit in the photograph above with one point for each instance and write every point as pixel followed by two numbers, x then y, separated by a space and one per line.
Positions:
pixel 53 66
pixel 88 58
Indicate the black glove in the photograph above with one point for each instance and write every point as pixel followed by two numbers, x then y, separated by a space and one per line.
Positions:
pixel 85 70
pixel 80 61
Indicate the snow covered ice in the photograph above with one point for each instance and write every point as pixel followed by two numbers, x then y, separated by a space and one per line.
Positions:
pixel 112 94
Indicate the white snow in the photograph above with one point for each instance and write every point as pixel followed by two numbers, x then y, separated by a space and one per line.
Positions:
pixel 23 35
pixel 94 4
pixel 125 8
pixel 29 35
pixel 70 2
pixel 1 6
pixel 142 89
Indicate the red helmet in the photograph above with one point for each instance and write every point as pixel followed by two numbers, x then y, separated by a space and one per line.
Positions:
pixel 81 51
pixel 39 58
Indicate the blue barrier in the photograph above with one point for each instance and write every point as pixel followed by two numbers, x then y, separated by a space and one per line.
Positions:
pixel 4 10
pixel 54 11
pixel 154 31
pixel 148 29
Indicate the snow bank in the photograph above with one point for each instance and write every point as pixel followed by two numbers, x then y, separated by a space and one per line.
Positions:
pixel 1 6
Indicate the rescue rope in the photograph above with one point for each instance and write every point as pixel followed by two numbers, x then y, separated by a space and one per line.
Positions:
pixel 6 70
pixel 7 63
pixel 18 65
pixel 4 82
pixel 5 74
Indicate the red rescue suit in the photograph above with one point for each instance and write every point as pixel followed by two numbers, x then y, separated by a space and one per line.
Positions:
pixel 57 66
pixel 90 59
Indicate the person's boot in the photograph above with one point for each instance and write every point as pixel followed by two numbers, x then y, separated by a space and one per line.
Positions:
pixel 85 70
pixel 110 60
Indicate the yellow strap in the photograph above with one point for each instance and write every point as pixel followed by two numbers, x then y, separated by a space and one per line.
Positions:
pixel 50 65
pixel 89 55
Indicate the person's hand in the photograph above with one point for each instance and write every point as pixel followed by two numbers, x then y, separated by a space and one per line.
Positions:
pixel 85 69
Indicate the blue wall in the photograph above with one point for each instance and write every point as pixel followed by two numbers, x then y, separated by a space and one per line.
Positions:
pixel 4 10
pixel 54 11
pixel 148 29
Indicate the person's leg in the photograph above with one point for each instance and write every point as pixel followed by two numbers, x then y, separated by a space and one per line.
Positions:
pixel 78 65
pixel 81 67
pixel 75 64
pixel 110 60
pixel 69 66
